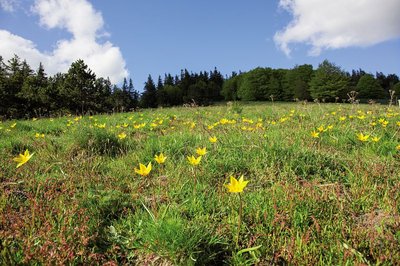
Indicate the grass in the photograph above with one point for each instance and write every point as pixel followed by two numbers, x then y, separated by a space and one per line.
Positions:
pixel 326 200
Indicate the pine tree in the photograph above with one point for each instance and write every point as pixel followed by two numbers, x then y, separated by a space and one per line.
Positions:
pixel 134 95
pixel 162 99
pixel 78 88
pixel 149 96
pixel 32 92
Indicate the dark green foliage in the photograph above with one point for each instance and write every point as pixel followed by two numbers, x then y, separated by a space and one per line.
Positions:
pixel 328 82
pixel 149 96
pixel 254 86
pixel 33 92
pixel 78 90
pixel 260 84
pixel 396 88
pixel 25 93
pixel 355 77
pixel 173 95
pixel 369 88
pixel 125 98
pixel 386 82
pixel 297 83
pixel 230 87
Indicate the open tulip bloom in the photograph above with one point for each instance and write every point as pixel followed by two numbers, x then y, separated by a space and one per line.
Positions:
pixel 143 170
pixel 194 161
pixel 236 186
pixel 23 158
pixel 201 151
pixel 160 158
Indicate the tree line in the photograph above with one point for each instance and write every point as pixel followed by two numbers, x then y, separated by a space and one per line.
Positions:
pixel 28 93
pixel 25 92
pixel 326 83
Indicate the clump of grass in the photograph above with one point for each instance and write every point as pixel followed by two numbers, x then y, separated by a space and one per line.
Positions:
pixel 101 142
pixel 18 146
pixel 177 241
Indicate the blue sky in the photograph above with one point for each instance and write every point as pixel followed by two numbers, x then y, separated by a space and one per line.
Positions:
pixel 136 38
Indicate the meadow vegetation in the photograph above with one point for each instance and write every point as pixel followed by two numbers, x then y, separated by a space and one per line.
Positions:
pixel 323 186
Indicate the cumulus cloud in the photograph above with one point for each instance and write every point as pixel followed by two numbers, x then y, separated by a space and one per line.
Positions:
pixel 79 18
pixel 326 24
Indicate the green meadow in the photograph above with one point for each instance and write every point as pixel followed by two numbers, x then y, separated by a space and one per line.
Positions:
pixel 323 187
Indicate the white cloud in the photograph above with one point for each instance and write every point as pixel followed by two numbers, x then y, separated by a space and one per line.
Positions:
pixel 85 24
pixel 327 24
pixel 8 5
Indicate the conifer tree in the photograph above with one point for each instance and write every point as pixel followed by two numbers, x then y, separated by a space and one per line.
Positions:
pixel 149 95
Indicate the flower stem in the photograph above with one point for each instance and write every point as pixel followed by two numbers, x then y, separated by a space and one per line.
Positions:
pixel 195 181
pixel 239 220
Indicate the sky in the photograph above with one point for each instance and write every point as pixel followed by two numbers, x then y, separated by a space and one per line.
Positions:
pixel 132 39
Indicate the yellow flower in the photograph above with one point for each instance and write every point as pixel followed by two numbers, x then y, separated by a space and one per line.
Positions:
pixel 201 151
pixel 375 139
pixel 137 126
pixel 37 135
pixel 283 119
pixel 194 161
pixel 236 186
pixel 362 137
pixel 13 125
pixel 23 158
pixel 143 170
pixel 321 129
pixel 398 147
pixel 122 135
pixel 315 134
pixel 342 118
pixel 160 158
pixel 212 139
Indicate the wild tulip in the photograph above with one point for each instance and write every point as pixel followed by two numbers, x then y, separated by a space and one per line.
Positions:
pixel 21 159
pixel 143 170
pixel 237 186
